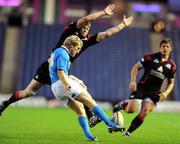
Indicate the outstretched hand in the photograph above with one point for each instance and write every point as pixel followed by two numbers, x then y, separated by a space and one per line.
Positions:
pixel 127 21
pixel 109 10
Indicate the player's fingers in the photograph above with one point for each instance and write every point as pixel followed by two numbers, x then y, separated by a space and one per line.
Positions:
pixel 68 90
pixel 109 6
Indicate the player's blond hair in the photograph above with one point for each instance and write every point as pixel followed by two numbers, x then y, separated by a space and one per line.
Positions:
pixel 73 40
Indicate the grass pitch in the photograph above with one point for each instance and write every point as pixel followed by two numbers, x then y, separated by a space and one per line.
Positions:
pixel 60 126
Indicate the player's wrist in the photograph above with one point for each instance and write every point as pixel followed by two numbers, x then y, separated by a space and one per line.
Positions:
pixel 133 81
pixel 124 24
pixel 104 13
pixel 165 95
pixel 121 26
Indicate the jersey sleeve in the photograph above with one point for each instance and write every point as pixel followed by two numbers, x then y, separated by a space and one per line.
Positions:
pixel 145 61
pixel 173 71
pixel 71 27
pixel 62 62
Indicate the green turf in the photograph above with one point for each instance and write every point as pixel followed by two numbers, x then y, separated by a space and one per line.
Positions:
pixel 60 126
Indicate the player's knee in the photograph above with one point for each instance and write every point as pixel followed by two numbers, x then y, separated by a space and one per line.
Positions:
pixel 131 108
pixel 89 102
pixel 81 107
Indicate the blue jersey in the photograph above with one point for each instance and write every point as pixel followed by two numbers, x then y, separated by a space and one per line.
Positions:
pixel 59 60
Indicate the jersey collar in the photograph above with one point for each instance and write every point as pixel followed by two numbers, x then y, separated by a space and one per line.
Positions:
pixel 82 38
pixel 65 48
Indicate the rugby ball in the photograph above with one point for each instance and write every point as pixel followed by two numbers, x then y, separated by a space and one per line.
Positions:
pixel 118 118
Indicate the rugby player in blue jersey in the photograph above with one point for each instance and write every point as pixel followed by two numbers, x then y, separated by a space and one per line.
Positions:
pixel 69 90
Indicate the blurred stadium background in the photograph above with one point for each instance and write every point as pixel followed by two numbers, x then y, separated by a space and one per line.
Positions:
pixel 29 29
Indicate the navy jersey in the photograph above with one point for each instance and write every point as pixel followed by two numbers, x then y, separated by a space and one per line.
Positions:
pixel 71 29
pixel 155 71
pixel 59 61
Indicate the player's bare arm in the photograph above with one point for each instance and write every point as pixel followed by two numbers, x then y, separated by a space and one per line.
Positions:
pixel 134 72
pixel 114 30
pixel 92 17
pixel 168 90
pixel 65 80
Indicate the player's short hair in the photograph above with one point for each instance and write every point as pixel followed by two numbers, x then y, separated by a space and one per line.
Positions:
pixel 166 41
pixel 73 40
pixel 87 25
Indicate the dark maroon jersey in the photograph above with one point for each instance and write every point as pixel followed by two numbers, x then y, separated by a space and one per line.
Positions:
pixel 71 29
pixel 155 71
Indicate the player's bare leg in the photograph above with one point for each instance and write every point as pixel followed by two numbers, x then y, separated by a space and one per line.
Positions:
pixel 31 89
pixel 87 100
pixel 78 108
pixel 128 106
pixel 131 106
pixel 89 114
pixel 93 120
pixel 146 108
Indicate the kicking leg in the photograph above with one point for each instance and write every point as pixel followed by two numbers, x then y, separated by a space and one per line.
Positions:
pixel 86 99
pixel 92 119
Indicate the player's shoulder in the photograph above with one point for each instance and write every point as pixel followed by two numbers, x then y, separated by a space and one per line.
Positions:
pixel 172 62
pixel 153 56
pixel 148 57
pixel 70 25
pixel 60 51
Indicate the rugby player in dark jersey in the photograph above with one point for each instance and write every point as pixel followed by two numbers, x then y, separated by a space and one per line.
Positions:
pixel 80 28
pixel 157 67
